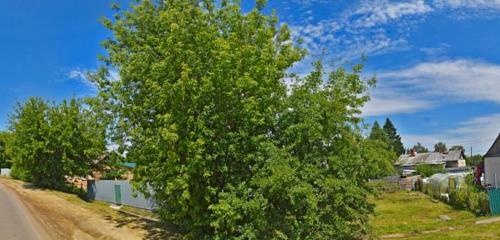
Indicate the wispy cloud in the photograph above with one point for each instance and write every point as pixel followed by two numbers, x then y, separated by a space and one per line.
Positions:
pixel 375 13
pixel 423 85
pixel 81 76
pixel 386 105
pixel 380 26
pixel 452 80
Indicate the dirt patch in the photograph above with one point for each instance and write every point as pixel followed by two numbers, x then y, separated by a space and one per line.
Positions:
pixel 66 218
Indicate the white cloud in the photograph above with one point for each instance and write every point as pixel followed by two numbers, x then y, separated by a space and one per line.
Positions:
pixel 81 76
pixel 380 26
pixel 467 4
pixel 375 13
pixel 478 133
pixel 383 105
pixel 452 80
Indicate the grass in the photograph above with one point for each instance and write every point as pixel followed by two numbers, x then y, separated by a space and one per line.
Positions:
pixel 414 215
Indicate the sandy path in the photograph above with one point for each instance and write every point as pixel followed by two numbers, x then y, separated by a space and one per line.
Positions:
pixel 65 220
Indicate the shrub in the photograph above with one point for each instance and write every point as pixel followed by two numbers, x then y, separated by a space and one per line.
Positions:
pixel 429 170
pixel 470 199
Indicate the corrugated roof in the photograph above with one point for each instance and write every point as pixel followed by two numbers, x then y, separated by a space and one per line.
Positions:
pixel 429 158
pixel 494 150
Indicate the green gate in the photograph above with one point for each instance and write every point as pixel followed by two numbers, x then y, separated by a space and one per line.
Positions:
pixel 494 196
pixel 118 195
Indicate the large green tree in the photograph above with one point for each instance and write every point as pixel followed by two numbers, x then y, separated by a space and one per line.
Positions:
pixel 394 138
pixel 5 159
pixel 227 148
pixel 51 141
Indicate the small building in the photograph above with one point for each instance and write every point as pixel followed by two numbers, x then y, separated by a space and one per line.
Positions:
pixel 450 160
pixel 492 165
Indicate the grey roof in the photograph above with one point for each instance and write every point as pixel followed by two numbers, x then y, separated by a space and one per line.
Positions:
pixel 494 150
pixel 429 158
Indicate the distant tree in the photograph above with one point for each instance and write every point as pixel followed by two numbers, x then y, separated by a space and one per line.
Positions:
pixel 5 158
pixel 378 157
pixel 394 138
pixel 474 160
pixel 377 133
pixel 420 149
pixel 428 170
pixel 440 147
pixel 457 147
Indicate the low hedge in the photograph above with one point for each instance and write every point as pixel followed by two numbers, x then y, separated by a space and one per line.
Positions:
pixel 471 199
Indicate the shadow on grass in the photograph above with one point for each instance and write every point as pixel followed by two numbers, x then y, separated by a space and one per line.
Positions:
pixel 154 230
pixel 81 193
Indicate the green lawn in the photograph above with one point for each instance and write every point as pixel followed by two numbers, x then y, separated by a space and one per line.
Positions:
pixel 413 215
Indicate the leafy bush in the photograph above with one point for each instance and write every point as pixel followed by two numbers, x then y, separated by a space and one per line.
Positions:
pixel 429 170
pixel 470 199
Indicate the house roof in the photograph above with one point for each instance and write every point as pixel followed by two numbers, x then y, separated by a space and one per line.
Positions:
pixel 494 150
pixel 429 158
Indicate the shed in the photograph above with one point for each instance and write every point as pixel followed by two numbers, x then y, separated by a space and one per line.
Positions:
pixel 492 165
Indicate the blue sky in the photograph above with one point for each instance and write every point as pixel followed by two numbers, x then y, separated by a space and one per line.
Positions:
pixel 437 61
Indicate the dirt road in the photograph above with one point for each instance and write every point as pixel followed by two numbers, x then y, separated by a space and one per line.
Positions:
pixel 16 221
pixel 65 216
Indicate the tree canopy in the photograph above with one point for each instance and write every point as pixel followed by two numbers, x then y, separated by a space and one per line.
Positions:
pixel 5 159
pixel 229 149
pixel 50 141
pixel 457 147
pixel 377 133
pixel 394 138
pixel 419 148
pixel 440 147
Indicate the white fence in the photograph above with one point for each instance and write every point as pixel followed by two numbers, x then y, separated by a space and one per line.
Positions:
pixel 118 192
pixel 5 172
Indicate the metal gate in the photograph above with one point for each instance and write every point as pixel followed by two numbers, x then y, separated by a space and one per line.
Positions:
pixel 494 197
pixel 118 195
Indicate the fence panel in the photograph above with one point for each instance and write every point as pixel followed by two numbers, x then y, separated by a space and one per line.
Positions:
pixel 5 172
pixel 494 196
pixel 118 192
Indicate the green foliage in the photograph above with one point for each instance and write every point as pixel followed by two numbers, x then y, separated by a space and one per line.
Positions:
pixel 474 160
pixel 379 157
pixel 457 147
pixel 394 138
pixel 426 170
pixel 202 107
pixel 420 149
pixel 440 147
pixel 5 159
pixel 471 199
pixel 50 141
pixel 377 133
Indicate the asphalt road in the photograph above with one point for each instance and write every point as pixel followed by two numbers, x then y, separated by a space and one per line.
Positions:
pixel 15 220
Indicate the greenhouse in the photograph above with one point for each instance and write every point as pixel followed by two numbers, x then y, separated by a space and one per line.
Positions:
pixel 440 184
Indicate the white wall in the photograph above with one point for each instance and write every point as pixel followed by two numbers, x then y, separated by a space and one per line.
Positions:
pixel 5 172
pixel 492 171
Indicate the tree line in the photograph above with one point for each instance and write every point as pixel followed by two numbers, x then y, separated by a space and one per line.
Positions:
pixel 228 147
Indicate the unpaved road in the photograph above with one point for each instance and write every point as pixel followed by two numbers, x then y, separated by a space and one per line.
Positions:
pixel 16 221
pixel 62 218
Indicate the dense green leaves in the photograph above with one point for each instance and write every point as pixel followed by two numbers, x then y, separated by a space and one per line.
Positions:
pixel 419 148
pixel 5 159
pixel 229 149
pixel 52 141
pixel 440 147
pixel 394 138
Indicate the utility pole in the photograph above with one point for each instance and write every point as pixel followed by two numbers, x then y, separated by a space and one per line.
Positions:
pixel 471 151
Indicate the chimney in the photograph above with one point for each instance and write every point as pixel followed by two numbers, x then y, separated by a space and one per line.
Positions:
pixel 413 153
